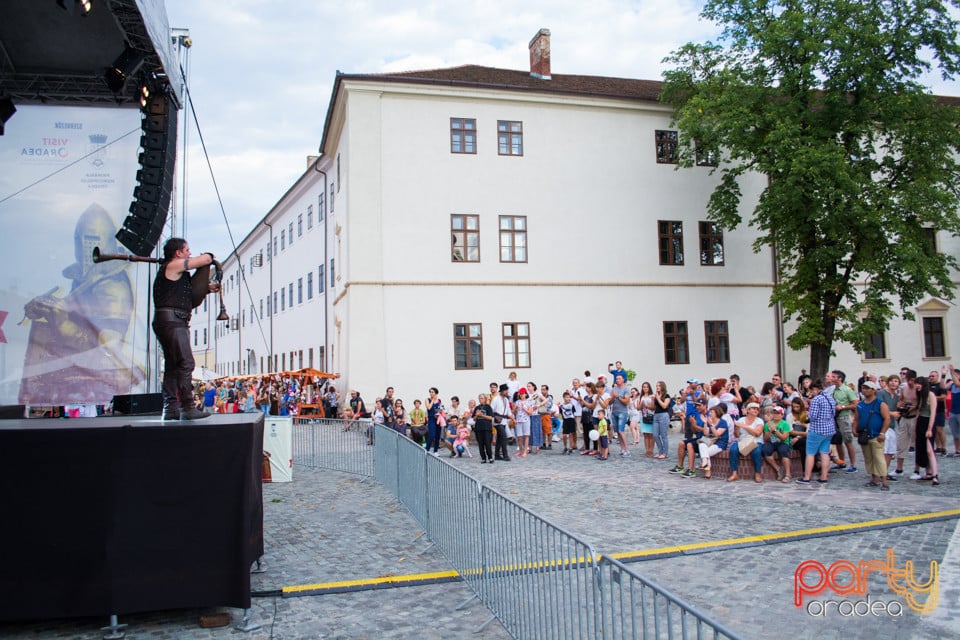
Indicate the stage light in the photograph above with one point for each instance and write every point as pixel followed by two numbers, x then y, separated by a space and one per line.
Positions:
pixel 144 95
pixel 128 62
pixel 6 111
pixel 73 6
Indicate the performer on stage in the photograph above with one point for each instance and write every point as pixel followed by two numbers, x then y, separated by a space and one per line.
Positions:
pixel 172 296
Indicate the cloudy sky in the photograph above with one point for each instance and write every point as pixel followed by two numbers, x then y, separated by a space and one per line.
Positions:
pixel 261 72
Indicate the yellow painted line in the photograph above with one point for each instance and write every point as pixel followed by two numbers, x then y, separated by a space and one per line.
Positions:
pixel 402 580
pixel 364 582
pixel 836 528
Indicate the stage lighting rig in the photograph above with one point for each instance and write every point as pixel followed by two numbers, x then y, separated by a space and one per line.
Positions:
pixel 74 6
pixel 127 63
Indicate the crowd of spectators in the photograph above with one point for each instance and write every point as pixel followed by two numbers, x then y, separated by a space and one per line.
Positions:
pixel 888 419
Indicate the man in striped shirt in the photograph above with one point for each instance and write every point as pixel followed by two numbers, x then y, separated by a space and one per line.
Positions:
pixel 822 413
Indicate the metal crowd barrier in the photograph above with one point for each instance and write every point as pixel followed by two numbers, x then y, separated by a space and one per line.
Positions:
pixel 632 606
pixel 538 580
pixel 340 445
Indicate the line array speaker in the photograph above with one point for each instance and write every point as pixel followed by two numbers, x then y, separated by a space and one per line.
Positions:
pixel 143 228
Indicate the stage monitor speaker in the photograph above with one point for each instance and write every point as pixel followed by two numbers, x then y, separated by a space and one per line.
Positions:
pixel 13 411
pixel 138 403
pixel 144 226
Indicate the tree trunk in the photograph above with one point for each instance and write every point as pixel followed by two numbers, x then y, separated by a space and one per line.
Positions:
pixel 819 360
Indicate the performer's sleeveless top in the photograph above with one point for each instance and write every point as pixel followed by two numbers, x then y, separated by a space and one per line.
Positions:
pixel 176 294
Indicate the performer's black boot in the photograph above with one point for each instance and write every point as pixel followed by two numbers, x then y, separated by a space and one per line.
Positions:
pixel 193 414
pixel 171 409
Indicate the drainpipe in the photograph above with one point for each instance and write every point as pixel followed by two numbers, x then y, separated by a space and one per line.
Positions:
pixel 326 217
pixel 270 296
pixel 777 309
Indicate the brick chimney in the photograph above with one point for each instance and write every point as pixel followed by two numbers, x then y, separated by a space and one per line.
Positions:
pixel 540 55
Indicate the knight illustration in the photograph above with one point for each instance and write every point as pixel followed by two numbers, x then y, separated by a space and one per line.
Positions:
pixel 75 352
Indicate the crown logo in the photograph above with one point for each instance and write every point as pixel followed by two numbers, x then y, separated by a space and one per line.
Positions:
pixel 98 138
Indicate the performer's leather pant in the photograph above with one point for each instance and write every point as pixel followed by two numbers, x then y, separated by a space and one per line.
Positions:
pixel 173 334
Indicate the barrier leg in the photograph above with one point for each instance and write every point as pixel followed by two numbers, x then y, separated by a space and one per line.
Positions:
pixel 247 623
pixel 114 631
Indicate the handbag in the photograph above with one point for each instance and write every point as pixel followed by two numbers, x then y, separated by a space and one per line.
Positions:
pixel 863 437
pixel 746 443
pixel 647 419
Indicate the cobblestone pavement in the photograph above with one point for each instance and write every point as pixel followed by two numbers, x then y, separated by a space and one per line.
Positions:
pixel 328 526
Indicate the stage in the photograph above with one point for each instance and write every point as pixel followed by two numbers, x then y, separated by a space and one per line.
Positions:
pixel 117 515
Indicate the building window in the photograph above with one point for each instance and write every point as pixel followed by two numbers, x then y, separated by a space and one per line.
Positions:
pixel 320 280
pixel 332 202
pixel 516 344
pixel 274 303
pixel 309 217
pixel 204 335
pixel 513 238
pixel 463 135
pixel 261 308
pixel 465 234
pixel 320 209
pixel 934 344
pixel 310 286
pixel 283 299
pixel 718 340
pixel 876 347
pixel 331 273
pixel 299 290
pixel 290 295
pixel 467 346
pixel 290 233
pixel 675 345
pixel 322 358
pixel 275 244
pixel 510 138
pixel 711 244
pixel 666 142
pixel 195 337
pixel 930 235
pixel 283 240
pixel 338 173
pixel 706 157
pixel 299 225
pixel 310 357
pixel 671 242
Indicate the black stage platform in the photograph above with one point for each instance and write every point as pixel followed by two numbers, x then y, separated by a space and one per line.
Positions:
pixel 115 515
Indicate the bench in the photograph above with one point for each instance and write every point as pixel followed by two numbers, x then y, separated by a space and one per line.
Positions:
pixel 720 465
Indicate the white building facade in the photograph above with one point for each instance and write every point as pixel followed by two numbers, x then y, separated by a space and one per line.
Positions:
pixel 464 223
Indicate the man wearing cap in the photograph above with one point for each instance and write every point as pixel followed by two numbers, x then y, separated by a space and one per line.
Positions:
pixel 873 417
pixel 691 394
pixel 502 416
pixel 822 414
pixel 694 422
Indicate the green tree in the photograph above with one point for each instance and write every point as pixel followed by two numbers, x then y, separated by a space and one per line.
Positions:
pixel 824 97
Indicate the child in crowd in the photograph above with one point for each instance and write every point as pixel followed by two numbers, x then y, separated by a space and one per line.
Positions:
pixel 569 412
pixel 602 429
pixel 462 443
pixel 778 442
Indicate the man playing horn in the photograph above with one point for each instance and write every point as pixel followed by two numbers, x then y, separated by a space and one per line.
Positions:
pixel 173 298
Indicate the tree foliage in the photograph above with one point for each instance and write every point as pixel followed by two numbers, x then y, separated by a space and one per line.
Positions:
pixel 824 98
